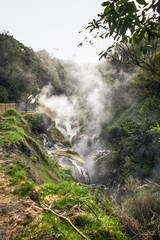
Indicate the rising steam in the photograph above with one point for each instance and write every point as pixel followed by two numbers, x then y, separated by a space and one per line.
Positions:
pixel 81 115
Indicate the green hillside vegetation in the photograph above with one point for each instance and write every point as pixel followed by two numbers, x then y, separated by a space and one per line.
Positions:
pixel 131 132
pixel 24 72
pixel 32 173
pixel 133 129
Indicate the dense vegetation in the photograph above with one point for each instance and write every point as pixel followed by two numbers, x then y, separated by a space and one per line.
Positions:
pixel 24 73
pixel 134 128
pixel 133 133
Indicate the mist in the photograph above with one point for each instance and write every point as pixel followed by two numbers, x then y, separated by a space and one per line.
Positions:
pixel 82 115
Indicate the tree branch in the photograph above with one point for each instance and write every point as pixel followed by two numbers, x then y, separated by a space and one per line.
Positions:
pixel 48 209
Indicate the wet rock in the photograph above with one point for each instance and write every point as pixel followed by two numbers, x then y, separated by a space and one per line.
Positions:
pixel 105 165
pixel 101 153
pixel 55 136
pixel 60 125
pixel 45 140
pixel 73 162
pixel 89 143
pixel 75 139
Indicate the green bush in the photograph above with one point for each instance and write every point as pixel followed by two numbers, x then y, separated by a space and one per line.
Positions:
pixel 38 122
pixel 3 94
pixel 139 209
pixel 68 143
pixel 141 200
pixel 20 121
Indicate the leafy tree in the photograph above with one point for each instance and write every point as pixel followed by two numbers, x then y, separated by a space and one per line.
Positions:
pixel 16 69
pixel 128 21
pixel 130 55
pixel 3 94
pixel 24 72
pixel 147 84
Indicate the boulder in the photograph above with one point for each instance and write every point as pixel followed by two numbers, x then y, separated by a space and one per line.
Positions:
pixel 55 136
pixel 106 166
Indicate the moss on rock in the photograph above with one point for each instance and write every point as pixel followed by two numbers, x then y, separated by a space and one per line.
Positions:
pixel 55 135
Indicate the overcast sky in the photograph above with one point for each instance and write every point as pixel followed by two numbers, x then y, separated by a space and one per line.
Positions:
pixel 53 25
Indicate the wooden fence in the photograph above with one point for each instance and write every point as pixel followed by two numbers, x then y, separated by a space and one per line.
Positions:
pixel 26 107
pixel 20 107
pixel 5 106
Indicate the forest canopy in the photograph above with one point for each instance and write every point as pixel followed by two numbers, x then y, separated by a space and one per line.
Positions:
pixel 24 72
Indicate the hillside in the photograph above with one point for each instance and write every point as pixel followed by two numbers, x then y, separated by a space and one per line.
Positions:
pixel 37 194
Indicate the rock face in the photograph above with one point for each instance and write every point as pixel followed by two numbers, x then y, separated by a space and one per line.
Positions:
pixel 58 148
pixel 106 165
pixel 72 161
pixel 54 135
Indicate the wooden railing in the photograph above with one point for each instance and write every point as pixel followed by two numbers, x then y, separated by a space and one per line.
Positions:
pixel 26 107
pixel 20 107
pixel 5 106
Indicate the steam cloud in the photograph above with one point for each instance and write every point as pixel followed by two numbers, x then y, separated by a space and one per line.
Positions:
pixel 81 115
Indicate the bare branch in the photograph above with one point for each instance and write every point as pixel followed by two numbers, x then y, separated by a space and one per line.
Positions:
pixel 48 209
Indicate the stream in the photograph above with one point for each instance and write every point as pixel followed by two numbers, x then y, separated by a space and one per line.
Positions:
pixel 85 151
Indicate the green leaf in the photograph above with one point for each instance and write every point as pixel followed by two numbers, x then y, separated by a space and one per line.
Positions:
pixel 105 4
pixel 106 10
pixel 145 44
pixel 141 35
pixel 141 2
pixel 157 34
pixel 136 40
pixel 139 52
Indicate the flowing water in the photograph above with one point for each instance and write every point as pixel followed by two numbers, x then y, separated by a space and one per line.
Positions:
pixel 85 151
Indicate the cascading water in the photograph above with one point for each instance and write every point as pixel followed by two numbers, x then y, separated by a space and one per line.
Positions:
pixel 80 116
pixel 65 157
pixel 87 146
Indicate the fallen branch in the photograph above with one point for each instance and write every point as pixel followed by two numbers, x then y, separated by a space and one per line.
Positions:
pixel 45 207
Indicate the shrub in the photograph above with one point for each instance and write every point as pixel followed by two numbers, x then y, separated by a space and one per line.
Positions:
pixel 141 200
pixel 12 113
pixel 3 94
pixel 68 143
pixel 139 210
pixel 38 122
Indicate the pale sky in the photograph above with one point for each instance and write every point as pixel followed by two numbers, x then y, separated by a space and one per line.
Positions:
pixel 53 25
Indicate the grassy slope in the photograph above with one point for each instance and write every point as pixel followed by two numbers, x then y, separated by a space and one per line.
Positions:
pixel 31 171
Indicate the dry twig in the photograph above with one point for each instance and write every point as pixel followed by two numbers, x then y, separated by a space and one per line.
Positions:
pixel 45 207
